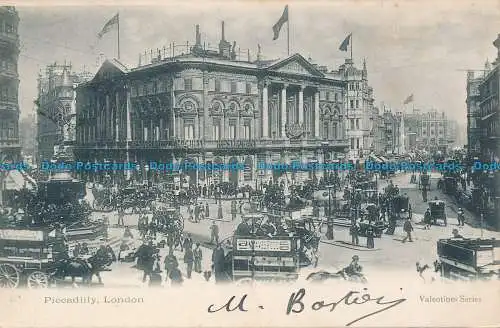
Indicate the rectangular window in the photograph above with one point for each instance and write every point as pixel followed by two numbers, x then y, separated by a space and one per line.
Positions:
pixel 357 143
pixel 336 96
pixel 189 131
pixel 352 143
pixel 325 130
pixel 247 131
pixel 357 104
pixel 328 95
pixel 234 87
pixel 352 124
pixel 351 103
pixel 216 130
pixel 232 130
pixel 188 84
pixel 357 123
pixel 334 131
pixel 217 85
pixel 248 88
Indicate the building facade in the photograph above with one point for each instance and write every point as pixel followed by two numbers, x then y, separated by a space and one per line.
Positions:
pixel 206 107
pixel 9 84
pixel 56 109
pixel 473 102
pixel 360 111
pixel 489 108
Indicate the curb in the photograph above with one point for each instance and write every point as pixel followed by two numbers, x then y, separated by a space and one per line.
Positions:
pixel 349 246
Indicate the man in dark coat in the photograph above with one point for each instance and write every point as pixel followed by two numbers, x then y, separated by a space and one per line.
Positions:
pixel 408 228
pixel 188 242
pixel 207 210
pixel 189 260
pixel 218 259
pixel 170 263
pixel 354 231
pixel 198 256
pixel 145 255
pixel 370 235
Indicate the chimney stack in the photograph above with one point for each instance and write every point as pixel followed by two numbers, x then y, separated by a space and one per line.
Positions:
pixel 223 34
pixel 224 46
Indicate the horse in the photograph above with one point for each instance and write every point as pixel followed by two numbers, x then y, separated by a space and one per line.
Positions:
pixel 427 275
pixel 322 275
pixel 76 267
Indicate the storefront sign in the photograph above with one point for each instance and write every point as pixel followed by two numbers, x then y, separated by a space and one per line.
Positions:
pixel 260 245
pixel 28 235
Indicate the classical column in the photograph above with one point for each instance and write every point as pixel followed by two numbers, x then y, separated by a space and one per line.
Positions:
pixel 283 111
pixel 316 114
pixel 117 117
pixel 265 111
pixel 301 105
pixel 107 119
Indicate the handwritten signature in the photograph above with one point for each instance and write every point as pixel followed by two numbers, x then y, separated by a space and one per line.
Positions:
pixel 296 303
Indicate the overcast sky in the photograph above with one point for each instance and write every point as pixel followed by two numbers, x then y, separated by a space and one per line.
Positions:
pixel 410 47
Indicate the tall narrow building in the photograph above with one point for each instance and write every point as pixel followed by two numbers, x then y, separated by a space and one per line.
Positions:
pixel 9 83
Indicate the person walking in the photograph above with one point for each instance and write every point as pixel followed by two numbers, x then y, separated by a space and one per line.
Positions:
pixel 354 231
pixel 189 260
pixel 198 256
pixel 218 258
pixel 461 217
pixel 214 233
pixel 207 210
pixel 121 214
pixel 370 236
pixel 408 228
pixel 170 263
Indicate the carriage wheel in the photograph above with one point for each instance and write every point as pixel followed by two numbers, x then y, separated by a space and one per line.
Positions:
pixel 38 279
pixel 9 276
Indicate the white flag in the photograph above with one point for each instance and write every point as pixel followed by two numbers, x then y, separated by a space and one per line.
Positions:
pixel 109 25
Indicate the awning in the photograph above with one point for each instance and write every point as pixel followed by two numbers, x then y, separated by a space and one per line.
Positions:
pixel 383 159
pixel 488 116
pixel 375 158
pixel 14 180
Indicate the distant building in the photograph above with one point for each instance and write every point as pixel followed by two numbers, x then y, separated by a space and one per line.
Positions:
pixel 433 130
pixel 56 109
pixel 392 132
pixel 10 148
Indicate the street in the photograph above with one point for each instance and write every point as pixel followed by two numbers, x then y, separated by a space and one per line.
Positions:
pixel 390 253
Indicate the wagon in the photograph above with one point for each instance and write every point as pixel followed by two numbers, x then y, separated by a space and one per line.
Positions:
pixel 437 212
pixel 401 207
pixel 26 257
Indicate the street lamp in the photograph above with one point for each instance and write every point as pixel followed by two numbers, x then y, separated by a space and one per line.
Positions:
pixel 329 223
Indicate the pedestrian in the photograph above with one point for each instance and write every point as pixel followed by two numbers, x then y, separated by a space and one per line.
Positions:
pixel 121 214
pixel 145 261
pixel 197 213
pixel 220 217
pixel 189 260
pixel 170 263
pixel 370 235
pixel 424 194
pixel 218 259
pixel 198 255
pixel 214 233
pixel 188 242
pixel 207 210
pixel 408 228
pixel 461 217
pixel 175 276
pixel 354 230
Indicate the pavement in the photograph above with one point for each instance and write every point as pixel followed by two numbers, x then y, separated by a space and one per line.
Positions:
pixel 390 253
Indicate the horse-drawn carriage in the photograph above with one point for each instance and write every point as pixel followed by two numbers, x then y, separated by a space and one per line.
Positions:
pixel 26 257
pixel 436 212
pixel 104 199
pixel 424 181
pixel 370 215
pixel 448 184
pixel 400 207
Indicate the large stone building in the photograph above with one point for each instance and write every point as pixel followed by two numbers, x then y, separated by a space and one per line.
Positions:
pixel 206 107
pixel 473 102
pixel 489 108
pixel 9 84
pixel 56 110
pixel 360 111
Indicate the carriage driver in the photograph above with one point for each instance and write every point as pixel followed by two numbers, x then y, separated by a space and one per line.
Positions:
pixel 354 269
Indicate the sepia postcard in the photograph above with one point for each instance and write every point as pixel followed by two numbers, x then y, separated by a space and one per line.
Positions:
pixel 249 163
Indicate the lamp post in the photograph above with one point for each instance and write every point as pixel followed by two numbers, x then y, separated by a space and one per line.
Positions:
pixel 329 223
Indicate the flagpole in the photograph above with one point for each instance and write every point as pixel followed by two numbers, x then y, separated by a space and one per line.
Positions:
pixel 288 33
pixel 118 35
pixel 351 46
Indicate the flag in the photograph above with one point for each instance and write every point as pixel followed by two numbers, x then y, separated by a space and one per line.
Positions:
pixel 277 27
pixel 112 22
pixel 345 43
pixel 409 99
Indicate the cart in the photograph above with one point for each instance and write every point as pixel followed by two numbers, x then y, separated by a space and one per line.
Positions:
pixel 401 207
pixel 468 259
pixel 437 212
pixel 26 257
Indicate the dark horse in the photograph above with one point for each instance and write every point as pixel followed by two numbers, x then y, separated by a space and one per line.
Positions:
pixel 77 267
pixel 321 276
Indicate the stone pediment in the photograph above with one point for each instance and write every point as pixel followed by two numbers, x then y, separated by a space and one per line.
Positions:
pixel 296 64
pixel 110 69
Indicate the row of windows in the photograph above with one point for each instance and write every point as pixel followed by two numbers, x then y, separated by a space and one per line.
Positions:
pixel 354 86
pixel 352 121
pixel 8 65
pixel 354 104
pixel 8 130
pixel 327 95
pixel 355 143
pixel 7 27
